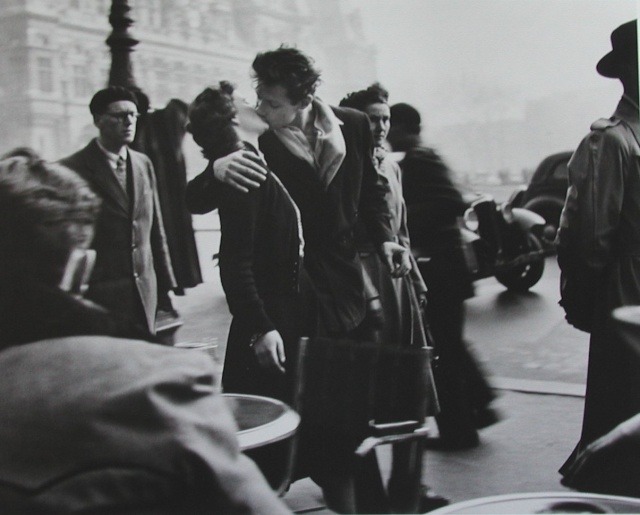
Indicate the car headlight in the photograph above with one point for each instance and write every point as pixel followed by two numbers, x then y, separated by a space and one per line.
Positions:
pixel 507 212
pixel 471 220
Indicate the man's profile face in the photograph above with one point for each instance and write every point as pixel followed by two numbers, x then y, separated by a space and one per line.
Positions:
pixel 117 124
pixel 275 106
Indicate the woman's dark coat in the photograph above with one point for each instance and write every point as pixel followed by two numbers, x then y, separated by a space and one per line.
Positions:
pixel 263 279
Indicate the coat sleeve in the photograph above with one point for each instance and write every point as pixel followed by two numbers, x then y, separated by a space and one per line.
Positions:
pixel 373 208
pixel 203 192
pixel 239 226
pixel 594 199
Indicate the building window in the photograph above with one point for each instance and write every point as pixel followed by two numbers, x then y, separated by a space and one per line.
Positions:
pixel 45 74
pixel 80 81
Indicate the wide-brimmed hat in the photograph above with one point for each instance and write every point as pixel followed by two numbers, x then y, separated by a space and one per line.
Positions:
pixel 624 44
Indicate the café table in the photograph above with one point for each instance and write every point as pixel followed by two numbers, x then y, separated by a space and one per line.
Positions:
pixel 544 502
pixel 266 433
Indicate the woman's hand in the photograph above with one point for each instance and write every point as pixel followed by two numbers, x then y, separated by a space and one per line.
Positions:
pixel 269 349
pixel 397 257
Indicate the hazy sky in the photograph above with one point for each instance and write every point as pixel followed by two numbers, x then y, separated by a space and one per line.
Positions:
pixel 470 59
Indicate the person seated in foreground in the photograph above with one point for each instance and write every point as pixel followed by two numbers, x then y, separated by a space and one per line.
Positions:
pixel 95 418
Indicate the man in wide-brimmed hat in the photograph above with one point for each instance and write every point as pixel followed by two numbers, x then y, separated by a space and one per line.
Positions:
pixel 599 248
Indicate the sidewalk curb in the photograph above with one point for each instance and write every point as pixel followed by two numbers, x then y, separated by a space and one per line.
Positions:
pixel 538 387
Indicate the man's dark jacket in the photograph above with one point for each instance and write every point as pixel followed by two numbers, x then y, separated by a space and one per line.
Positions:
pixel 329 217
pixel 132 261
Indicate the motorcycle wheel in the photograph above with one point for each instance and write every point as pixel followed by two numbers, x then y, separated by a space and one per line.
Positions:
pixel 522 278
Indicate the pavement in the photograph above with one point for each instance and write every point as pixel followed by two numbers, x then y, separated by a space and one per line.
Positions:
pixel 540 422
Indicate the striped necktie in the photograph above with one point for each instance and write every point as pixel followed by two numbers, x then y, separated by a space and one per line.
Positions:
pixel 121 172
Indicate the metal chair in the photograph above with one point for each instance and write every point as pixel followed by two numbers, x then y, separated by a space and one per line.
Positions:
pixel 373 395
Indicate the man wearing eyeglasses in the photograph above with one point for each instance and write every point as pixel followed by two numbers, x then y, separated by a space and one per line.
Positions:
pixel 132 262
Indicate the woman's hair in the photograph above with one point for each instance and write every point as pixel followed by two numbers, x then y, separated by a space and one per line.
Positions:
pixel 360 100
pixel 44 209
pixel 210 121
pixel 289 68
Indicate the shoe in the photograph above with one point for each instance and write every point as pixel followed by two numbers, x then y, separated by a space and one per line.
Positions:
pixel 486 417
pixel 429 502
pixel 452 444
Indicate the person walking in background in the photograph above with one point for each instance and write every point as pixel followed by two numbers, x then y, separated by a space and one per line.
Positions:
pixel 132 261
pixel 433 207
pixel 261 251
pixel 599 246
pixel 95 419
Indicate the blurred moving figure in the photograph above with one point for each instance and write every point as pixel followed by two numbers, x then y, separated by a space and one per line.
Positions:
pixel 94 418
pixel 433 207
pixel 132 261
pixel 599 246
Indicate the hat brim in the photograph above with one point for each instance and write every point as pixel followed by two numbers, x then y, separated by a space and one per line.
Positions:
pixel 608 66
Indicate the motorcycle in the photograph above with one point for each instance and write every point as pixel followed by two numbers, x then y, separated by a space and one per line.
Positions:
pixel 505 242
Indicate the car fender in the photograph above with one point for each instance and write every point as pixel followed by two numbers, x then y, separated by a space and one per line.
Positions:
pixel 527 219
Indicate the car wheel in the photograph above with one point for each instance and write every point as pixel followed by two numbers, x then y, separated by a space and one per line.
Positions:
pixel 522 277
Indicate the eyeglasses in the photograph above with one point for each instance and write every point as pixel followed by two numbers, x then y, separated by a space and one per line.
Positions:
pixel 123 116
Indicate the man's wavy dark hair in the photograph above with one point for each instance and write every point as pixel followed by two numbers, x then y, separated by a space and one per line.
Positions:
pixel 360 100
pixel 289 68
pixel 210 121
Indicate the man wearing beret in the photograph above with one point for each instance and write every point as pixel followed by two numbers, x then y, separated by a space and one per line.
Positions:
pixel 132 262
pixel 599 247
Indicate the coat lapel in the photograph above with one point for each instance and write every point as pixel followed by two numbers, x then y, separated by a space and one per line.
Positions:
pixel 136 168
pixel 103 178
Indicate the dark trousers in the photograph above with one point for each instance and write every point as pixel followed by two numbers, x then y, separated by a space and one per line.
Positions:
pixel 460 382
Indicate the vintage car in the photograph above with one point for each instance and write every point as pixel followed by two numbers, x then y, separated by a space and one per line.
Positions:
pixel 546 191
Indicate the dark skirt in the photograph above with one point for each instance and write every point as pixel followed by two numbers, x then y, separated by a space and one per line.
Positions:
pixel 294 316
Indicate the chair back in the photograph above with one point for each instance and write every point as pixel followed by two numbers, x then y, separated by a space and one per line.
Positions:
pixel 347 386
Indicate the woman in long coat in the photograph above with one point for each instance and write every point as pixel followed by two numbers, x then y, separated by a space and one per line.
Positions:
pixel 261 251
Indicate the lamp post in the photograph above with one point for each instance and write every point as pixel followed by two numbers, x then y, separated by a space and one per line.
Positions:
pixel 121 44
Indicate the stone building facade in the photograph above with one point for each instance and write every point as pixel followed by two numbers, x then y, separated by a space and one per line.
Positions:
pixel 53 56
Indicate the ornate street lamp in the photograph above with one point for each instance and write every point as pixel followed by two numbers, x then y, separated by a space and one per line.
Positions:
pixel 121 44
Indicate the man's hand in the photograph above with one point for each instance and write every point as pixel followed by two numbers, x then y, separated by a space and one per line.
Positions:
pixel 397 258
pixel 269 349
pixel 241 169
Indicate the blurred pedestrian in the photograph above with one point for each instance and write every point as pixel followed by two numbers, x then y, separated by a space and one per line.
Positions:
pixel 323 156
pixel 599 245
pixel 261 251
pixel 132 262
pixel 95 419
pixel 434 205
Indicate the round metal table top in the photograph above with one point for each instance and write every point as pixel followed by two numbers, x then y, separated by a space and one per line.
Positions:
pixel 261 420
pixel 545 502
